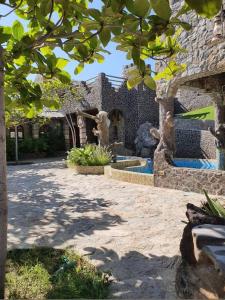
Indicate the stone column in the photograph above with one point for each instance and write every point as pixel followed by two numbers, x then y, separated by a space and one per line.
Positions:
pixel 219 132
pixel 82 130
pixel 66 131
pixel 35 131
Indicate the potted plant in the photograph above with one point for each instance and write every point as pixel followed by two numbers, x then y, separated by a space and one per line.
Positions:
pixel 89 160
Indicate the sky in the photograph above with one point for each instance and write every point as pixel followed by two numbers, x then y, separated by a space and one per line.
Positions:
pixel 113 64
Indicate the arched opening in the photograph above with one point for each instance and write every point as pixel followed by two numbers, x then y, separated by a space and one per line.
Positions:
pixel 117 128
pixel 90 124
pixel 20 132
pixel 43 130
pixel 12 133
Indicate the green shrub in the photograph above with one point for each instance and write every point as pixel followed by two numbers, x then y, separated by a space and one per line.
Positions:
pixel 49 144
pixel 54 141
pixel 26 145
pixel 10 147
pixel 90 155
pixel 40 145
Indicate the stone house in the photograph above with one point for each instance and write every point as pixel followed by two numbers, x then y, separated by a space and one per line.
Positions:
pixel 204 78
pixel 127 110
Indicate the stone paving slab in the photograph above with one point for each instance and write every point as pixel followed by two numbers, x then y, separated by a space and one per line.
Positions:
pixel 131 230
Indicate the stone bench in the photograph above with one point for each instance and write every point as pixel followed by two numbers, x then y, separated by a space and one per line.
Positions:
pixel 209 244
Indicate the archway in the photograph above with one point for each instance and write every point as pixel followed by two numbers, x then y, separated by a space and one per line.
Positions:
pixel 117 126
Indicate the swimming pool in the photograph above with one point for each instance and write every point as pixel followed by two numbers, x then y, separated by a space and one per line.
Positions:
pixel 180 163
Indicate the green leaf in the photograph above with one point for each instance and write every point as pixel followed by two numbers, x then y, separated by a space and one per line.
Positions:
pixel 31 113
pixel 105 36
pixel 17 30
pixel 5 34
pixel 79 68
pixel 133 81
pixel 93 42
pixel 186 25
pixel 45 7
pixel 150 82
pixel 61 63
pixel 94 13
pixel 64 77
pixel 162 8
pixel 136 55
pixel 139 8
pixel 83 50
pixel 205 8
pixel 46 50
pixel 183 10
pixel 99 57
pixel 20 61
pixel 134 78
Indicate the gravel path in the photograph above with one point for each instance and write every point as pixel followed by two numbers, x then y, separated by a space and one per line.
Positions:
pixel 131 230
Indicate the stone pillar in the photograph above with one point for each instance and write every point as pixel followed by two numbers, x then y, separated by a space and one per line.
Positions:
pixel 35 131
pixel 219 132
pixel 82 130
pixel 66 132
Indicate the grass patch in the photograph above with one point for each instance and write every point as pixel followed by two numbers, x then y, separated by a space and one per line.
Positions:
pixel 205 113
pixel 46 273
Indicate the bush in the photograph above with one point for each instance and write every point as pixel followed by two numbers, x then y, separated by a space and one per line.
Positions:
pixel 90 155
pixel 10 147
pixel 48 144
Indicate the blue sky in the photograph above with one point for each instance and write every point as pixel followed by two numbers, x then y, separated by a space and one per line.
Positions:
pixel 113 64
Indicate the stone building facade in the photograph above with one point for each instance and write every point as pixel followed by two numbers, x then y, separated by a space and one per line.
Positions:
pixel 127 109
pixel 204 77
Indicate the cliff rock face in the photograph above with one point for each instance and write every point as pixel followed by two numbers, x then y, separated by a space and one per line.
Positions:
pixel 145 143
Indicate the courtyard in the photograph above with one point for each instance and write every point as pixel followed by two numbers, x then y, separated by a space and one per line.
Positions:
pixel 131 231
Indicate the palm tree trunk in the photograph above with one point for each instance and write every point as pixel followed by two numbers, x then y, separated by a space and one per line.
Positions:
pixel 3 185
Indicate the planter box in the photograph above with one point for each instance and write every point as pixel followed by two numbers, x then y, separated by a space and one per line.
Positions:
pixel 85 170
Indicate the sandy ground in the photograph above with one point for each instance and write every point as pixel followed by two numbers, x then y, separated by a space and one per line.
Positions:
pixel 131 230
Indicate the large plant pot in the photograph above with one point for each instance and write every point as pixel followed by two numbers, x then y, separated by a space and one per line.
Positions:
pixel 92 170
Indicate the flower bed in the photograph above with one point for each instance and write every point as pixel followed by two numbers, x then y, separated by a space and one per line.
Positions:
pixel 85 170
pixel 89 160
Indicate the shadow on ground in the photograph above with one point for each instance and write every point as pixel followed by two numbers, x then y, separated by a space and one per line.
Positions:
pixel 136 275
pixel 41 214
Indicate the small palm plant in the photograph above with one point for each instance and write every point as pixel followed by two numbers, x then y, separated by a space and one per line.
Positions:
pixel 213 207
pixel 90 155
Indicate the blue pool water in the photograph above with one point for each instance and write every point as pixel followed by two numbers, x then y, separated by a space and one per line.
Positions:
pixel 121 157
pixel 196 164
pixel 182 163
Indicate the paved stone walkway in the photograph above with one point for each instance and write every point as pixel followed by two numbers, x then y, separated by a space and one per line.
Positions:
pixel 131 230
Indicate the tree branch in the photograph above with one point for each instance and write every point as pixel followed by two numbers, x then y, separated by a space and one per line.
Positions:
pixel 16 7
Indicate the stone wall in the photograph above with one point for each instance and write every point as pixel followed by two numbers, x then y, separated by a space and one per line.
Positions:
pixel 193 124
pixel 193 140
pixel 190 180
pixel 137 106
pixel 203 56
pixel 188 100
pixel 192 143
